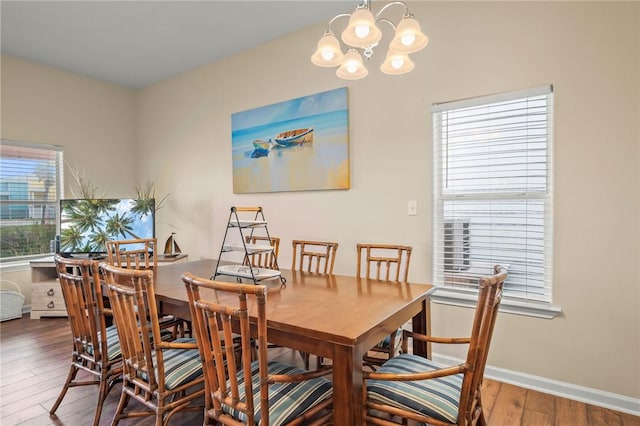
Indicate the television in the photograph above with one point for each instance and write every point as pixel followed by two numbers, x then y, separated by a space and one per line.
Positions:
pixel 87 224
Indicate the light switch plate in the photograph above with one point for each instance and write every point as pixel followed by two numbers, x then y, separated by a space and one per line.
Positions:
pixel 412 208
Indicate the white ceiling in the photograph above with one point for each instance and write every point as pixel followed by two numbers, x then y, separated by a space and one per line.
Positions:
pixel 138 43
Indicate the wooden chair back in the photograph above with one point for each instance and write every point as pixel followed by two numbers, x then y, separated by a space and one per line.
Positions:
pixel 263 259
pixel 212 323
pixel 163 376
pixel 85 309
pixel 314 256
pixel 469 407
pixel 387 262
pixel 230 390
pixel 136 317
pixel 82 291
pixel 141 253
pixel 489 298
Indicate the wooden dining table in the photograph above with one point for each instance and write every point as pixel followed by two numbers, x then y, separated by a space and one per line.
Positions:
pixel 334 316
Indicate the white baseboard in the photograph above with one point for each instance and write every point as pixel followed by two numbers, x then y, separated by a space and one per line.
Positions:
pixel 590 396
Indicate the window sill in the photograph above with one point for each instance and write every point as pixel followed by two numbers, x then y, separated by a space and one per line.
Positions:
pixel 19 265
pixel 447 296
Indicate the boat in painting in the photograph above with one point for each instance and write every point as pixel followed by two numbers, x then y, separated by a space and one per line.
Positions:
pixel 259 152
pixel 261 148
pixel 262 144
pixel 294 137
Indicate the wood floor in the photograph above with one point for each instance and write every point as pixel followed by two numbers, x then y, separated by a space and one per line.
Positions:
pixel 34 357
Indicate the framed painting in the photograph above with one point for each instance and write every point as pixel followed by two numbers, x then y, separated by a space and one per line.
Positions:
pixel 297 145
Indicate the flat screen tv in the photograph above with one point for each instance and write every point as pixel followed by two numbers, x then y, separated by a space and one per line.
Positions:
pixel 87 224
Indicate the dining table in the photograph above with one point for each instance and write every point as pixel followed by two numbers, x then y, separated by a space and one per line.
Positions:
pixel 338 317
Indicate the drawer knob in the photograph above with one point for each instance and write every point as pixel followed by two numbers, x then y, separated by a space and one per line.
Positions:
pixel 51 305
pixel 51 292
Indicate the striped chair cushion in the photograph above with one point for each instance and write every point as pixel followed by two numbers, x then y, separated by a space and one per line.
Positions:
pixel 287 401
pixel 438 398
pixel 113 342
pixel 180 365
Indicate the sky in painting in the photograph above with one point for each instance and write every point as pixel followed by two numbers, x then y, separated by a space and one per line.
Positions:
pixel 332 100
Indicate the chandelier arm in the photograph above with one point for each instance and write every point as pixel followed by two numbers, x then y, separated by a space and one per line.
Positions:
pixel 387 21
pixel 386 6
pixel 336 17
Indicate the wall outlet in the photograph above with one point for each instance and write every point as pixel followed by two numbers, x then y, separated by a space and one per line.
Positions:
pixel 412 208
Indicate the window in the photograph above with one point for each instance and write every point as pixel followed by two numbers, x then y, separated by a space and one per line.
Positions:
pixel 493 193
pixel 30 187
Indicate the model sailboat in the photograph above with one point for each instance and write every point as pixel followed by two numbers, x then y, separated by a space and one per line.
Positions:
pixel 171 247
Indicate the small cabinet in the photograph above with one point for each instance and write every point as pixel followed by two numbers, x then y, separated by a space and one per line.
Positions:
pixel 46 295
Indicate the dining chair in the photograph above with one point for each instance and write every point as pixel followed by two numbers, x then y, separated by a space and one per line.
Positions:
pixel 314 256
pixel 261 391
pixel 267 260
pixel 138 253
pixel 410 387
pixel 96 348
pixel 164 377
pixel 385 262
pixel 142 254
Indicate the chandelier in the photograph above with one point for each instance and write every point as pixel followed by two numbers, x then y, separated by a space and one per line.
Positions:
pixel 362 33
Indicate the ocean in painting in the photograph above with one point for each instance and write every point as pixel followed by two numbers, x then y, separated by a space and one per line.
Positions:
pixel 317 165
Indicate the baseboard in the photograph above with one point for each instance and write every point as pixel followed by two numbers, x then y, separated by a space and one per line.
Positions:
pixel 590 396
pixel 26 309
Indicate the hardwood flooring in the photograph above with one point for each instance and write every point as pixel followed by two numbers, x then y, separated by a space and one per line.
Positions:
pixel 34 359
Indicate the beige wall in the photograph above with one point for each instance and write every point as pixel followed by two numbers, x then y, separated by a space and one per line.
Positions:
pixel 93 121
pixel 588 51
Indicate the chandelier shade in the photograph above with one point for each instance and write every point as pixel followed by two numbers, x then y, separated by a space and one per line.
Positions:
pixel 352 67
pixel 397 63
pixel 362 33
pixel 362 30
pixel 409 38
pixel 328 52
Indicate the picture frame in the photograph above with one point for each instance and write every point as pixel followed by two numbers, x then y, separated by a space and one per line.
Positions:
pixel 300 144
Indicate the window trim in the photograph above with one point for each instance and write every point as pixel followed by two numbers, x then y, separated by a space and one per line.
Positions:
pixel 17 262
pixel 467 297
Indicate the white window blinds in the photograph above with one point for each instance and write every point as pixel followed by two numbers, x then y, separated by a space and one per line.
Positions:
pixel 30 187
pixel 493 191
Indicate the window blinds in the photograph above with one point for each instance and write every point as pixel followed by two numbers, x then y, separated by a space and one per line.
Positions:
pixel 30 187
pixel 493 191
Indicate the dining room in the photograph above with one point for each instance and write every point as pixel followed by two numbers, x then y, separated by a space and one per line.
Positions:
pixel 180 133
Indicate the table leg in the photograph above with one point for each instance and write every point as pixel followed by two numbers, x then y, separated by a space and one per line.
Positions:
pixel 347 386
pixel 419 325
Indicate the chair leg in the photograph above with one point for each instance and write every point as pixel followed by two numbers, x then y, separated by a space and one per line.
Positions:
pixel 104 389
pixel 73 371
pixel 305 357
pixel 124 400
pixel 481 420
